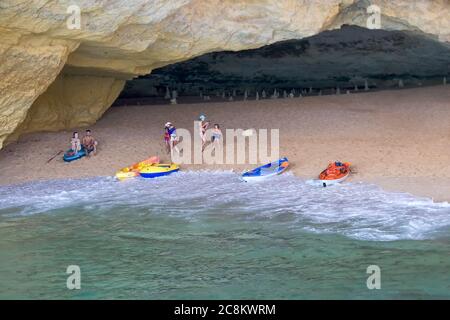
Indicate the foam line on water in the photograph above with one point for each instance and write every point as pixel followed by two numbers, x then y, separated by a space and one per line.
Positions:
pixel 356 210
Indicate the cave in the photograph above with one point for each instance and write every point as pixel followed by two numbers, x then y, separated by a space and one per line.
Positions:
pixel 346 60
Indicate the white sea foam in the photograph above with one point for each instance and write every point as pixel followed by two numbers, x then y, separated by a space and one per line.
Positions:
pixel 355 210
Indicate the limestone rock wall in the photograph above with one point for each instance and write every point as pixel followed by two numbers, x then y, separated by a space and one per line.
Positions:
pixel 71 101
pixel 120 39
pixel 26 71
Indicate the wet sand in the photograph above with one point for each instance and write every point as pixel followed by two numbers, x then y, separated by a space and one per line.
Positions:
pixel 397 139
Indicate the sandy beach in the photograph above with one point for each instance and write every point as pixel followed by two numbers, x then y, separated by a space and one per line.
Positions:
pixel 397 139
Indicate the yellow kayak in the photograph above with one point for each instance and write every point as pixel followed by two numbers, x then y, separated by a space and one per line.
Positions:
pixel 158 170
pixel 125 173
pixel 133 170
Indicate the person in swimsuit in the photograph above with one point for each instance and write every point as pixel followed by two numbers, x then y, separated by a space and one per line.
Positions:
pixel 167 136
pixel 216 134
pixel 75 143
pixel 203 127
pixel 89 143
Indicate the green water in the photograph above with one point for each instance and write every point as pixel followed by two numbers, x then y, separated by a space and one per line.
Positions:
pixel 177 238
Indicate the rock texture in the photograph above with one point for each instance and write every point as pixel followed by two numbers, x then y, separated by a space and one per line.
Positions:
pixel 345 58
pixel 121 39
pixel 26 70
pixel 71 101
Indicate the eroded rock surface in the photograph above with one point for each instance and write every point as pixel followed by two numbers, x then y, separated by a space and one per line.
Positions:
pixel 348 58
pixel 71 101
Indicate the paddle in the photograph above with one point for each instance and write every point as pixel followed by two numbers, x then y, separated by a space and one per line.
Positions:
pixel 57 154
pixel 353 170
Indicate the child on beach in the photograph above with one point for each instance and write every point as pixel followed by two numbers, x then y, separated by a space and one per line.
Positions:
pixel 75 143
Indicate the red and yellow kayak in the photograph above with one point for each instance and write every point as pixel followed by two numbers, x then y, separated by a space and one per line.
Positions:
pixel 133 170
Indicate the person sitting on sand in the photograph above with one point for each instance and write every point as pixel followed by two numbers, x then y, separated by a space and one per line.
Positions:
pixel 75 143
pixel 89 143
pixel 216 134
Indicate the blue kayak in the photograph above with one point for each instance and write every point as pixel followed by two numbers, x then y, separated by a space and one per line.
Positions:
pixel 266 171
pixel 71 156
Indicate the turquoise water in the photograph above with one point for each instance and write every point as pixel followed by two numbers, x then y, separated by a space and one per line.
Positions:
pixel 203 235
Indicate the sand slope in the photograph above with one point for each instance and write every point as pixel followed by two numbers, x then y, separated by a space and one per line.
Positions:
pixel 399 139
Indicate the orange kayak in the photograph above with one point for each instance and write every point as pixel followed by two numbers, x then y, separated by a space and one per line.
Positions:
pixel 336 172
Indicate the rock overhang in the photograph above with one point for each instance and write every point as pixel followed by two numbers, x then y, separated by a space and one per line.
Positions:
pixel 122 39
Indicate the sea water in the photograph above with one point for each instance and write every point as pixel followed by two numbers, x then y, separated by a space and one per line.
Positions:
pixel 208 235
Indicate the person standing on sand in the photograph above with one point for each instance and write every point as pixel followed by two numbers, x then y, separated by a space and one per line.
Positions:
pixel 89 143
pixel 216 134
pixel 173 138
pixel 203 126
pixel 167 137
pixel 75 143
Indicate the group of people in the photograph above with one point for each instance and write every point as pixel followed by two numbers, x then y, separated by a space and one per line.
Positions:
pixel 88 143
pixel 171 139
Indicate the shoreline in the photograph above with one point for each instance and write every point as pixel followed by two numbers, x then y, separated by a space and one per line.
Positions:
pixel 396 139
pixel 423 187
